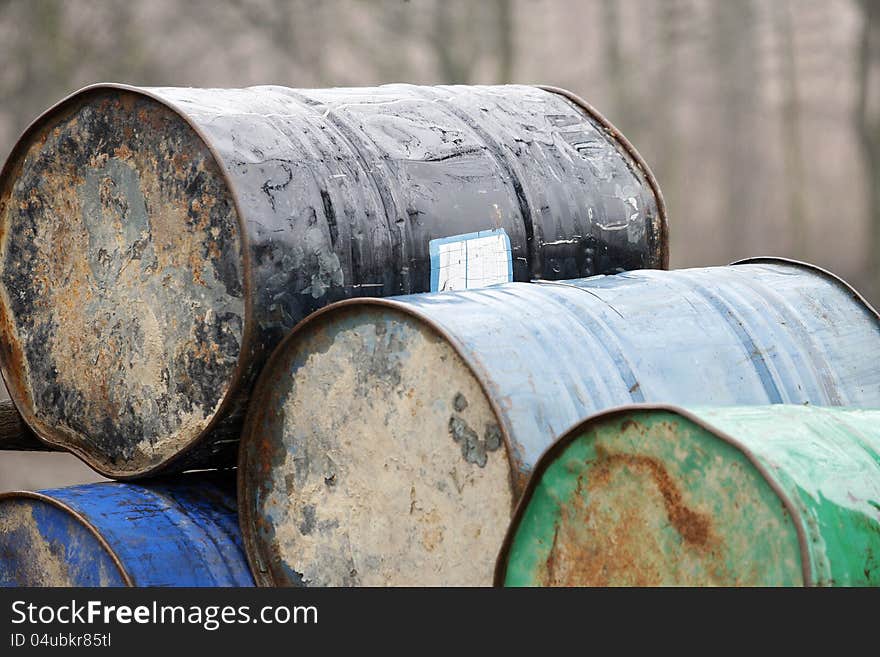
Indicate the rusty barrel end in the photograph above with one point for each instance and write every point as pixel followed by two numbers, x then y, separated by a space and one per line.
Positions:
pixel 45 543
pixel 372 456
pixel 646 498
pixel 180 532
pixel 655 495
pixel 121 280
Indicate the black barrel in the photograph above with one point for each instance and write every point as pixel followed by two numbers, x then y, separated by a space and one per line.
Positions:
pixel 157 243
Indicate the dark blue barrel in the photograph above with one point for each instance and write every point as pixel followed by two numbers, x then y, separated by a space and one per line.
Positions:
pixel 171 533
pixel 389 438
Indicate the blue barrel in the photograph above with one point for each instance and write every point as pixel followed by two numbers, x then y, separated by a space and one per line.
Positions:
pixel 173 533
pixel 388 439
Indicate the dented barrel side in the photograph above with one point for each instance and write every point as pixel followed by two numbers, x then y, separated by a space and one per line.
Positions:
pixel 181 532
pixel 752 495
pixel 287 200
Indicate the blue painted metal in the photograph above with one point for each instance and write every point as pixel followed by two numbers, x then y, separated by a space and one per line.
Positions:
pixel 762 331
pixel 181 532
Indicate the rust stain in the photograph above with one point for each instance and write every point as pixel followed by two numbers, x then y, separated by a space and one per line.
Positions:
pixel 126 100
pixel 694 527
pixel 144 258
pixel 551 576
pixel 629 424
pixel 573 560
pixel 595 546
pixel 14 360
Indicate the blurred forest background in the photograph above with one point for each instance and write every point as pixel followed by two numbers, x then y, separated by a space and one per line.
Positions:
pixel 760 119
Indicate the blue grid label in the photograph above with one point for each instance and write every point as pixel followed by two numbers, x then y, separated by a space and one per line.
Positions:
pixel 464 262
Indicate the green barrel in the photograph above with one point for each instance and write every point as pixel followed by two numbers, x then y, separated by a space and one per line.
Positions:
pixel 650 495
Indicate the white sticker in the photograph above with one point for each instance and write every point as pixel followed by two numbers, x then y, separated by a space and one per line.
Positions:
pixel 463 262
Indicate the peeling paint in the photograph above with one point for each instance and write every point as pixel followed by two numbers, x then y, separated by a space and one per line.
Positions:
pixel 43 546
pixel 371 502
pixel 119 305
pixel 178 533
pixel 658 495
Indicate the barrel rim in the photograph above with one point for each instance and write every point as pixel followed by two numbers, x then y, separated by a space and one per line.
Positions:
pixel 575 431
pixel 264 385
pixel 630 150
pixel 847 287
pixel 47 434
pixel 89 526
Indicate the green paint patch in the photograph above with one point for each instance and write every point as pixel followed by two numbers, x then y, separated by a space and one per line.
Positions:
pixel 827 460
pixel 652 499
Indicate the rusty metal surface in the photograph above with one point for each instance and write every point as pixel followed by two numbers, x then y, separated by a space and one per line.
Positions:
pixel 121 282
pixel 168 533
pixel 155 244
pixel 544 357
pixel 655 494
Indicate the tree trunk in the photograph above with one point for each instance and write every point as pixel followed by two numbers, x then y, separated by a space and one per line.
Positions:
pixel 792 150
pixel 506 29
pixel 736 65
pixel 868 127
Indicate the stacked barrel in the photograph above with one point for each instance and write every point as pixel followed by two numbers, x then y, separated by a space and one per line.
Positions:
pixel 376 309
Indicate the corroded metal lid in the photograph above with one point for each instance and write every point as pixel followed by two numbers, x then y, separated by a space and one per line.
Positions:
pixel 121 278
pixel 647 495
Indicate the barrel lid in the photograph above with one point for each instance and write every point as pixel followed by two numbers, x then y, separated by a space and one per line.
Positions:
pixel 251 475
pixel 12 361
pixel 620 413
pixel 43 498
